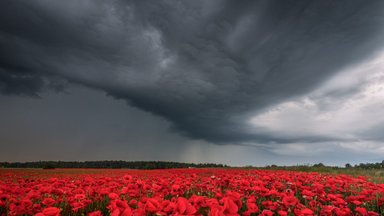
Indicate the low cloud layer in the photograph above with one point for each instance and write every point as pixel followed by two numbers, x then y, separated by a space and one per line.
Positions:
pixel 64 126
pixel 222 71
pixel 348 108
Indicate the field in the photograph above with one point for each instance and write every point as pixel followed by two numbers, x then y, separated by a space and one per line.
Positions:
pixel 215 192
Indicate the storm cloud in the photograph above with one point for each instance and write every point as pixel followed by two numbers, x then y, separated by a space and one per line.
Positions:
pixel 211 68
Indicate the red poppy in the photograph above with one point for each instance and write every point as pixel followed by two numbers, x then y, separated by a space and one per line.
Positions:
pixel 152 205
pixel 51 211
pixel 290 201
pixel 267 212
pixel 361 211
pixel 306 212
pixel 49 202
pixel 184 207
pixel 95 213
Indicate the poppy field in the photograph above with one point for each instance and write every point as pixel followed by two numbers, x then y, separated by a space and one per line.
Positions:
pixel 213 192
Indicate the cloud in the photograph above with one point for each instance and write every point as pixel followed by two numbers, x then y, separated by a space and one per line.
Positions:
pixel 347 107
pixel 330 153
pixel 207 67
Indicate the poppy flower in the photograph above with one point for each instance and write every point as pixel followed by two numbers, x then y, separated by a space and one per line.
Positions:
pixel 49 202
pixel 267 212
pixel 152 205
pixel 95 213
pixel 51 211
pixel 184 207
pixel 361 211
pixel 290 201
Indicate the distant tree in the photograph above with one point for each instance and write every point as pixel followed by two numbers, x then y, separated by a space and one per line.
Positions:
pixel 348 165
pixel 48 166
pixel 319 165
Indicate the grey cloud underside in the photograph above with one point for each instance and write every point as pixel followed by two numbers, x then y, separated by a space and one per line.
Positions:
pixel 206 66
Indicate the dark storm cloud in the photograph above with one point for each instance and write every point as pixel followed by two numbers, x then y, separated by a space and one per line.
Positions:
pixel 206 66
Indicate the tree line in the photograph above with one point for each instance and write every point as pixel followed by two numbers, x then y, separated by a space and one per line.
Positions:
pixel 108 164
pixel 378 165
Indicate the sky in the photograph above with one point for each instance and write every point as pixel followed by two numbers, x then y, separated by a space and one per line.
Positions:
pixel 236 82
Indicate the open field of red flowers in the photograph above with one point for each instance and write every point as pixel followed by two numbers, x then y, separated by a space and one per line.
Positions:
pixel 216 192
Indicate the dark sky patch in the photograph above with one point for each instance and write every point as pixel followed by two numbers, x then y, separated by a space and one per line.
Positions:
pixel 206 67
